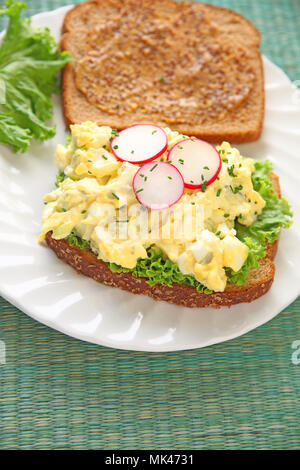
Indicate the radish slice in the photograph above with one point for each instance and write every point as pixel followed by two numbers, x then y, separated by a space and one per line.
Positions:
pixel 158 185
pixel 198 162
pixel 140 143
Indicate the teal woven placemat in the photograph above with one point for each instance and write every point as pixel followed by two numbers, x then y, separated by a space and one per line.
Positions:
pixel 57 392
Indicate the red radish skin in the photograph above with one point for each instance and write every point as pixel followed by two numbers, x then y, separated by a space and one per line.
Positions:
pixel 158 185
pixel 215 153
pixel 148 134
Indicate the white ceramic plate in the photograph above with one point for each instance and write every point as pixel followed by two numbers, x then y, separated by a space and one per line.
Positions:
pixel 34 280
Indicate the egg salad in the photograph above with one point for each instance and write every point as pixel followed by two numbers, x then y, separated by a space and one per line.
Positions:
pixel 96 187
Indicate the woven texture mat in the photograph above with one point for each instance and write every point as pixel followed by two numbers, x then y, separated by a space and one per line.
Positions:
pixel 57 392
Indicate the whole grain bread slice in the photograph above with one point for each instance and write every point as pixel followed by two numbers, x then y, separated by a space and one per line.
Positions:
pixel 243 125
pixel 258 283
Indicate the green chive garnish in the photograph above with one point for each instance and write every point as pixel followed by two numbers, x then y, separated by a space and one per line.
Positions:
pixel 139 190
pixel 203 186
pixel 219 192
pixel 230 171
pixel 153 168
pixel 114 195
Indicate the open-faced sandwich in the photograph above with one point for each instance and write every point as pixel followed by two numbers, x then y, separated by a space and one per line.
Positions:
pixel 155 212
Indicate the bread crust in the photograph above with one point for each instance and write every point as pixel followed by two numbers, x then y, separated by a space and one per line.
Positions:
pixel 77 109
pixel 87 263
pixel 259 282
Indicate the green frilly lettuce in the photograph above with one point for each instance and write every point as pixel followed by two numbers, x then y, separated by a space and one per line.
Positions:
pixel 29 62
pixel 266 229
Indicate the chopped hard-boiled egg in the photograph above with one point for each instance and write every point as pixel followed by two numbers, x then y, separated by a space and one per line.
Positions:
pixel 97 201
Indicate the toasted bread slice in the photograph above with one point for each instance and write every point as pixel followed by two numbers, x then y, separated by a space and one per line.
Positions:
pixel 243 124
pixel 258 283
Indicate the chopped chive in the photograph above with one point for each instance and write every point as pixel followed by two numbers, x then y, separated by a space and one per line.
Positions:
pixel 218 233
pixel 114 195
pixel 141 174
pixel 205 168
pixel 146 177
pixel 132 151
pixel 154 132
pixel 83 212
pixel 202 177
pixel 179 146
pixel 89 172
pixel 139 190
pixel 203 186
pixel 193 203
pixel 226 215
pixel 153 168
pixel 63 209
pixel 181 161
pixel 219 192
pixel 170 177
pixel 116 147
pixel 225 160
pixel 105 158
pixel 230 171
pixel 191 181
pixel 237 189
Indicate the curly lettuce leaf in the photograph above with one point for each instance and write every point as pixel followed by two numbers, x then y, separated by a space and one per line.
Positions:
pixel 158 268
pixel 29 62
pixel 60 178
pixel 75 240
pixel 276 214
pixel 155 268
